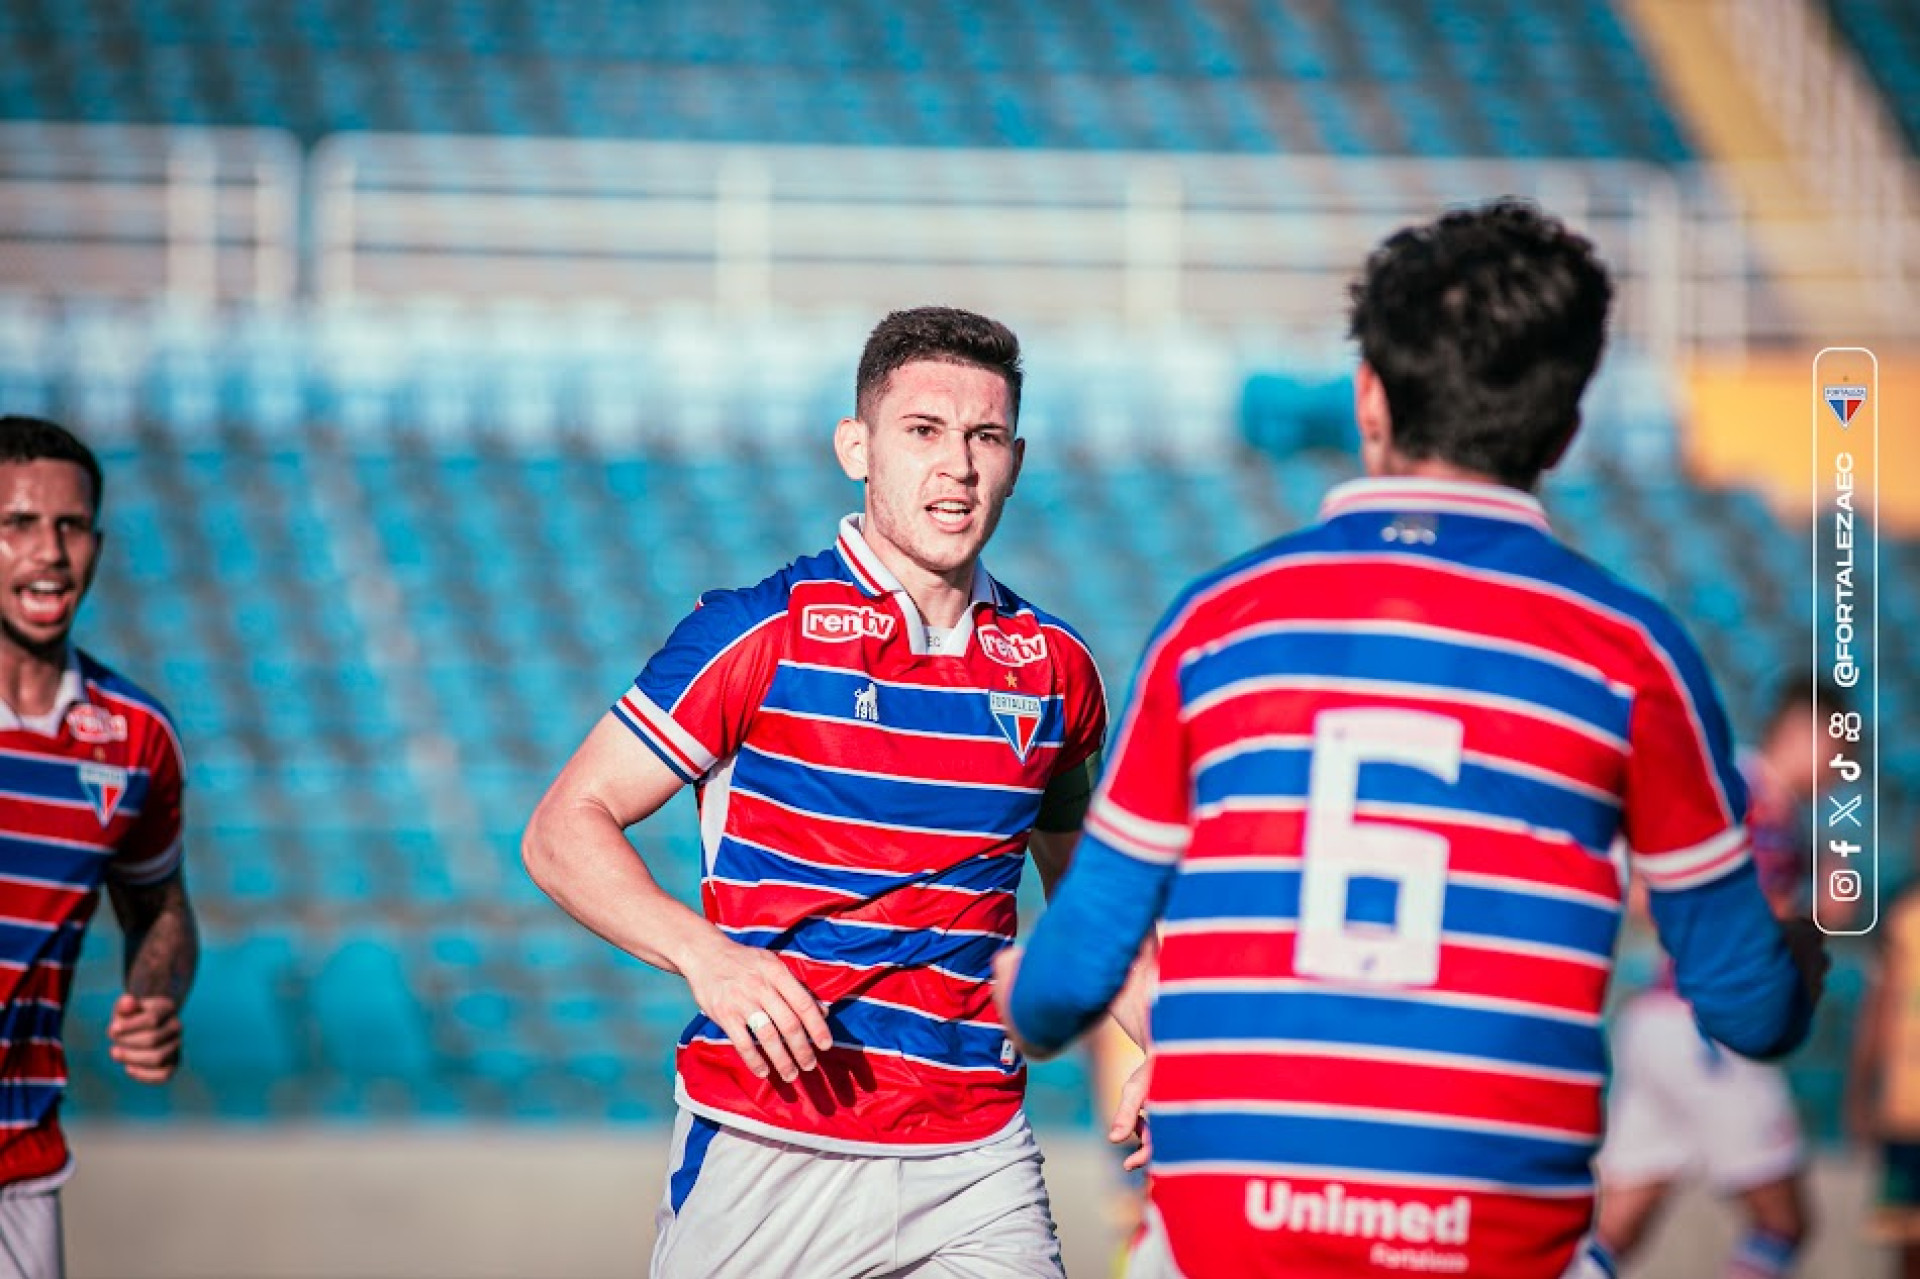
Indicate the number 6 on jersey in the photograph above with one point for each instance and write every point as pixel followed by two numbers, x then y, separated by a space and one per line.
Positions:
pixel 1340 850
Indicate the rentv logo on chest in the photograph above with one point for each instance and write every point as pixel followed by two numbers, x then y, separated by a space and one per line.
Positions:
pixel 1012 650
pixel 844 622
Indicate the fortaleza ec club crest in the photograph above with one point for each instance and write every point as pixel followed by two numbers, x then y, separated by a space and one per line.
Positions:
pixel 1018 716
pixel 1845 401
pixel 105 785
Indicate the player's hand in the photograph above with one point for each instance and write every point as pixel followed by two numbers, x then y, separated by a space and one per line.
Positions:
pixel 1006 970
pixel 775 1023
pixel 1130 1117
pixel 145 1034
pixel 1808 946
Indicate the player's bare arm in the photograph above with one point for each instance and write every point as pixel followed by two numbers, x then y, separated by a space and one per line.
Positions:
pixel 162 953
pixel 576 850
pixel 1052 852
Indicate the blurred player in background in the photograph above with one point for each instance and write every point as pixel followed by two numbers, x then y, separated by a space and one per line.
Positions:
pixel 90 780
pixel 1682 1104
pixel 1367 782
pixel 1883 1082
pixel 878 733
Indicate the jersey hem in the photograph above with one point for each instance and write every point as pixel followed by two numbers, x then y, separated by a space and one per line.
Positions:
pixel 834 1145
pixel 47 1183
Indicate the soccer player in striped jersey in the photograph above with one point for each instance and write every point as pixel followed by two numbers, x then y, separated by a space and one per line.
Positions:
pixel 1366 786
pixel 878 733
pixel 90 776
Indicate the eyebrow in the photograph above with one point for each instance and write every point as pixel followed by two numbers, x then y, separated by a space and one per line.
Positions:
pixel 937 420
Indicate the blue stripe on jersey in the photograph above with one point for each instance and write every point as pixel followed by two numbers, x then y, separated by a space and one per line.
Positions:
pixel 1372 1146
pixel 51 777
pixel 812 690
pixel 29 1019
pixel 1386 1022
pixel 1531 554
pixel 23 1101
pixel 53 863
pixel 1482 911
pixel 862 1023
pixel 1000 814
pixel 750 863
pixel 1483 790
pixel 24 943
pixel 967 955
pixel 1447 668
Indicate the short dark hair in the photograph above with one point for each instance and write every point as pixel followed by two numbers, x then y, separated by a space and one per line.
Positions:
pixel 1484 327
pixel 32 439
pixel 941 333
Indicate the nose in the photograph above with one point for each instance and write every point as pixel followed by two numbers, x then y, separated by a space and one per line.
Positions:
pixel 958 458
pixel 49 543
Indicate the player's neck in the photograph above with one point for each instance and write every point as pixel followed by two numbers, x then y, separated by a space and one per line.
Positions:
pixel 29 678
pixel 1393 464
pixel 941 600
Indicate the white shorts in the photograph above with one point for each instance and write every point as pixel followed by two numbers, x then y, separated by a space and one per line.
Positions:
pixel 738 1204
pixel 1682 1104
pixel 30 1236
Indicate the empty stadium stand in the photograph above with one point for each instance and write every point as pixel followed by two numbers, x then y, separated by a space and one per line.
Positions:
pixel 1885 36
pixel 1383 77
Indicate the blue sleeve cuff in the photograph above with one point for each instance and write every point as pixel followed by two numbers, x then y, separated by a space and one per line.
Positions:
pixel 1732 966
pixel 1078 958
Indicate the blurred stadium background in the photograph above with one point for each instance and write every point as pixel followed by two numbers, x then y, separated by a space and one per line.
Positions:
pixel 441 351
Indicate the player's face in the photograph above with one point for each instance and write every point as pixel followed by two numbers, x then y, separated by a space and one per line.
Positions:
pixel 939 459
pixel 48 549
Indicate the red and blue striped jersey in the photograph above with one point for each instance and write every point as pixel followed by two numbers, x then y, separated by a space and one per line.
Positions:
pixel 1386 758
pixel 91 794
pixel 864 813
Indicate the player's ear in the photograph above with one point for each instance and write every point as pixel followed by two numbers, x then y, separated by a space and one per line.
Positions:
pixel 850 447
pixel 1374 418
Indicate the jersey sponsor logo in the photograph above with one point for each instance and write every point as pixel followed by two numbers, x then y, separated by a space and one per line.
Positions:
pixel 1276 1205
pixel 105 786
pixel 835 622
pixel 90 723
pixel 1012 650
pixel 866 704
pixel 1018 716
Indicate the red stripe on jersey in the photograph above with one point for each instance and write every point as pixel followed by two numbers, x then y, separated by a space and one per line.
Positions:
pixel 955 998
pixel 1225 1224
pixel 1518 859
pixel 27 899
pixel 872 1097
pixel 39 1060
pixel 891 753
pixel 1372 1079
pixel 817 838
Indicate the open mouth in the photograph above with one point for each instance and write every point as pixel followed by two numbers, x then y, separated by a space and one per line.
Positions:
pixel 46 602
pixel 950 513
